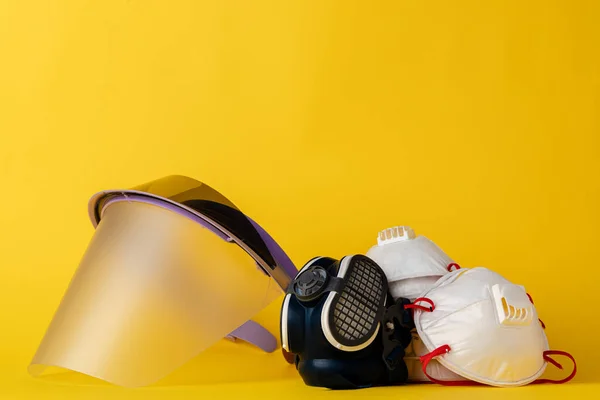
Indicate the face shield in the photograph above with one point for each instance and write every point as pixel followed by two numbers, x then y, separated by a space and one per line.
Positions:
pixel 172 268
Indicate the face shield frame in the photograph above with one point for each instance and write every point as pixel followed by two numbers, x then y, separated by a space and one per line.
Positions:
pixel 200 202
pixel 207 207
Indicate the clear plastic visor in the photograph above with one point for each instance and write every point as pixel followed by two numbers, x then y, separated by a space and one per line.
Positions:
pixel 153 290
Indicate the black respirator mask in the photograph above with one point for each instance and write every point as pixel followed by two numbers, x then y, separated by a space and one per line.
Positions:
pixel 342 326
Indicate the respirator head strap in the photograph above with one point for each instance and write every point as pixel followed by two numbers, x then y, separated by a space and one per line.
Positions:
pixel 396 324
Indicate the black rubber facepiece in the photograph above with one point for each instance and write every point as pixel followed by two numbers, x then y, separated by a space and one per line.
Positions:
pixel 333 322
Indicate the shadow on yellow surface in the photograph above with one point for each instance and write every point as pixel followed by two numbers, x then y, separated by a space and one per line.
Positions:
pixel 237 370
pixel 72 387
pixel 224 363
pixel 237 367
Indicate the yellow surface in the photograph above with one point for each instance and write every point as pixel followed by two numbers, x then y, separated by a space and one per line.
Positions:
pixel 477 123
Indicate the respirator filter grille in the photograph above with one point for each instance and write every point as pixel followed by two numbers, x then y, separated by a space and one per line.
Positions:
pixel 357 310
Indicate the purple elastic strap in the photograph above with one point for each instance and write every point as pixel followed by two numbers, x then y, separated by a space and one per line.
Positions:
pixel 254 333
pixel 281 258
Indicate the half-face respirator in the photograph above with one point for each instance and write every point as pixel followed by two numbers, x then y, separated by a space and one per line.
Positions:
pixel 342 325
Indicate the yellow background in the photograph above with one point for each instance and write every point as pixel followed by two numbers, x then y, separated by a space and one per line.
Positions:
pixel 475 122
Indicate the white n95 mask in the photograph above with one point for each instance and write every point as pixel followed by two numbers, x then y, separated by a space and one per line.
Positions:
pixel 412 264
pixel 484 328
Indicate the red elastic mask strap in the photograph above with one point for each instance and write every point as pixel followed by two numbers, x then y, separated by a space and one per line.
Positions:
pixel 542 323
pixel 438 352
pixel 531 300
pixel 549 359
pixel 452 267
pixel 416 306
pixel 445 349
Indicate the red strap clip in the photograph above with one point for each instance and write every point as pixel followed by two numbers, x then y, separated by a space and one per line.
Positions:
pixel 438 352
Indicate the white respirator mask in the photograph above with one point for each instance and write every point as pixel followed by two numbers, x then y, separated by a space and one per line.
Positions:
pixel 412 264
pixel 482 327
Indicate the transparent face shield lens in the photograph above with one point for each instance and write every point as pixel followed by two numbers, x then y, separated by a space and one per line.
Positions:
pixel 154 289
